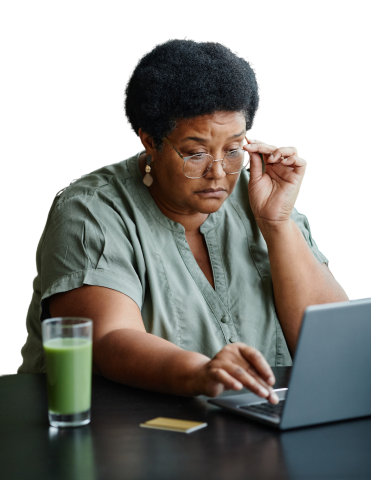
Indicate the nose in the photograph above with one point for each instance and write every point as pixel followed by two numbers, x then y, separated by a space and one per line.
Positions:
pixel 216 171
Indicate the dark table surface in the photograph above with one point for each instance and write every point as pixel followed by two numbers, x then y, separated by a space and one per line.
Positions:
pixel 113 446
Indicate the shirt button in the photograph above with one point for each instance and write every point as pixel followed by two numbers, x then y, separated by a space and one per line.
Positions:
pixel 225 319
pixel 233 339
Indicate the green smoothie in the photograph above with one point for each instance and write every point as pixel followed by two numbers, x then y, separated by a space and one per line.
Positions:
pixel 69 371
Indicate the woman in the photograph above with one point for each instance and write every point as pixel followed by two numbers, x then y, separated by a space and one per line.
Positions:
pixel 194 270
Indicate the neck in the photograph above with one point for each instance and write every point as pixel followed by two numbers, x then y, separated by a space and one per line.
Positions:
pixel 191 221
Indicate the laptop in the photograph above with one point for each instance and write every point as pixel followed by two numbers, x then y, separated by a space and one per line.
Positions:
pixel 331 374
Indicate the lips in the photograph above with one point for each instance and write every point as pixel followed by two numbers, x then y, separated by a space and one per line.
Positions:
pixel 211 190
pixel 216 193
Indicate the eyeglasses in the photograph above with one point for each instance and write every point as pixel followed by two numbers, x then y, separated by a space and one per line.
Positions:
pixel 198 165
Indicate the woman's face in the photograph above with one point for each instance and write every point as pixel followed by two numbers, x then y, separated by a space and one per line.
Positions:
pixel 214 134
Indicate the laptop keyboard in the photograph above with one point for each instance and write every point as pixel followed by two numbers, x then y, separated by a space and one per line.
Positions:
pixel 265 408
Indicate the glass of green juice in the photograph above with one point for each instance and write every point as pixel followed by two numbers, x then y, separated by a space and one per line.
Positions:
pixel 67 343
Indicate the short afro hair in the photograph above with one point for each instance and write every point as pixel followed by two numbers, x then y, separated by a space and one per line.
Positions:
pixel 183 79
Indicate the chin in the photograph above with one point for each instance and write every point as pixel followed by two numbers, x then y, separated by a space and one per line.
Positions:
pixel 209 206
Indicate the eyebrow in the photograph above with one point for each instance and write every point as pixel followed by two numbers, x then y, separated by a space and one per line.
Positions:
pixel 203 140
pixel 237 135
pixel 196 139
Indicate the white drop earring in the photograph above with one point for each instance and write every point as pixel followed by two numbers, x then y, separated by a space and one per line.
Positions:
pixel 148 179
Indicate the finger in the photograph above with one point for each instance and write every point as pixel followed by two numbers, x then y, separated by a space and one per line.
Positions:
pixel 256 169
pixel 251 371
pixel 240 371
pixel 220 375
pixel 272 398
pixel 261 143
pixel 259 148
pixel 247 380
pixel 288 160
pixel 282 173
pixel 294 161
pixel 258 362
pixel 282 152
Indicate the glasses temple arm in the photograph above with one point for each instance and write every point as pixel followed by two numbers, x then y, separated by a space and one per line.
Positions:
pixel 171 145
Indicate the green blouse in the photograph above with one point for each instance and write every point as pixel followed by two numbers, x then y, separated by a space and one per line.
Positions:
pixel 105 229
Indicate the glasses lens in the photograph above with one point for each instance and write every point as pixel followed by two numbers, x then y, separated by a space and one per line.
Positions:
pixel 235 161
pixel 198 165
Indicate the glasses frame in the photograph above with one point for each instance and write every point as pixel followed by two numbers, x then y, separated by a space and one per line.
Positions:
pixel 218 160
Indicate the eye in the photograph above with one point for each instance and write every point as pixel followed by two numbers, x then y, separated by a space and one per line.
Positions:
pixel 198 156
pixel 233 153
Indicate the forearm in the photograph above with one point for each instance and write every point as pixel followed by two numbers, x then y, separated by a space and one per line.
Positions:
pixel 125 353
pixel 145 361
pixel 299 280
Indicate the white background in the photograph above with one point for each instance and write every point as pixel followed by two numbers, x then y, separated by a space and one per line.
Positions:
pixel 64 68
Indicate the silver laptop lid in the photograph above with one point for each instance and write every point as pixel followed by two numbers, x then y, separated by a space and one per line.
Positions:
pixel 331 378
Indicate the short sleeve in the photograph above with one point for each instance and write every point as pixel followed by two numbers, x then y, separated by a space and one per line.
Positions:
pixel 88 242
pixel 302 222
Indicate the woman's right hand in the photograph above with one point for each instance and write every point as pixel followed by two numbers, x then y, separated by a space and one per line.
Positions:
pixel 234 367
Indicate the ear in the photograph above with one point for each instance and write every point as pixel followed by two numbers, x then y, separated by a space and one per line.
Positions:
pixel 147 142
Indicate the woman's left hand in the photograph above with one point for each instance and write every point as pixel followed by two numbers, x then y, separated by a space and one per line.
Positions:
pixel 273 193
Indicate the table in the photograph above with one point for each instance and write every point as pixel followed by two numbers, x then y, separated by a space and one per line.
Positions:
pixel 113 446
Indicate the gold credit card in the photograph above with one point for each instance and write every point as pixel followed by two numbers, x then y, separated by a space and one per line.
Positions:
pixel 174 425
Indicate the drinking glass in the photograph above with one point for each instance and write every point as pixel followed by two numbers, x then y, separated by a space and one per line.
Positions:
pixel 67 346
